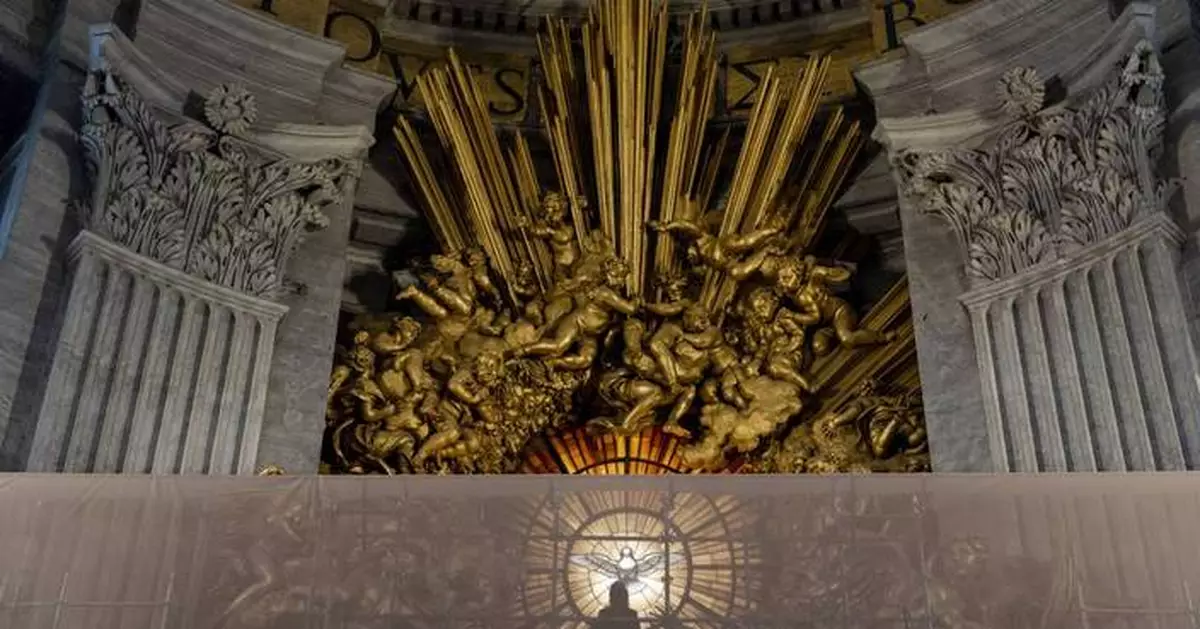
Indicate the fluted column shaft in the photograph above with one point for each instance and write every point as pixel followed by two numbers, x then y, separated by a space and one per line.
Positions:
pixel 1088 366
pixel 155 370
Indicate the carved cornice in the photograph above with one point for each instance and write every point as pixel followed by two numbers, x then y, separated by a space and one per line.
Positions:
pixel 1055 181
pixel 115 53
pixel 524 16
pixel 948 67
pixel 198 198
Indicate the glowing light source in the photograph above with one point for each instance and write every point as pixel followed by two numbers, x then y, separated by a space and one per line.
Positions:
pixel 576 451
pixel 680 556
pixel 651 572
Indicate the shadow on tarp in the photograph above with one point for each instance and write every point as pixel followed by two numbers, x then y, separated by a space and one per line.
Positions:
pixel 1059 551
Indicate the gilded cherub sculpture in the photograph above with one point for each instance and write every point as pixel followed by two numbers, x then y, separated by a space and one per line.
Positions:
pixel 467 389
pixel 469 401
pixel 809 287
pixel 716 252
pixel 675 299
pixel 874 431
pixel 552 227
pixel 580 329
pixel 682 351
pixel 634 390
pixel 403 371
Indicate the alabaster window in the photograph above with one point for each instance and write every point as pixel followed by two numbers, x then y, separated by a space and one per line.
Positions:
pixel 682 558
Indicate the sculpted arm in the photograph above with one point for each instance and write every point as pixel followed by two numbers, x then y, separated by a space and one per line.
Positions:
pixel 754 262
pixel 707 339
pixel 809 314
pixel 541 230
pixel 414 367
pixel 847 415
pixel 681 227
pixel 792 322
pixel 424 301
pixel 493 326
pixel 669 309
pixel 742 244
pixel 616 302
pixel 367 394
pixel 882 442
pixel 484 282
pixel 458 302
pixel 660 348
pixel 831 274
pixel 459 388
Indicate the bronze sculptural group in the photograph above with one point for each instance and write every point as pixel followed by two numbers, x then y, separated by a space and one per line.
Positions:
pixel 465 388
pixel 635 293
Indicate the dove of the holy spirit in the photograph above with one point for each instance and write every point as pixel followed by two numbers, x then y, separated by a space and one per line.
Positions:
pixel 636 572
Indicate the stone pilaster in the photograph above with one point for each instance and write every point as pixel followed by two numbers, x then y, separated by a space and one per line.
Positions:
pixel 1085 360
pixel 156 370
pixel 164 359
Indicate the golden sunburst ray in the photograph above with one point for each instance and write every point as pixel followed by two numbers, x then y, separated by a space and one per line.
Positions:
pixel 631 143
pixel 594 337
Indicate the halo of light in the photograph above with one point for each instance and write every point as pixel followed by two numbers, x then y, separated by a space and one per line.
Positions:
pixel 690 553
pixel 607 536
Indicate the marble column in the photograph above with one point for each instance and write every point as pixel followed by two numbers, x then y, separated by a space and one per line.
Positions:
pixel 1085 360
pixel 164 359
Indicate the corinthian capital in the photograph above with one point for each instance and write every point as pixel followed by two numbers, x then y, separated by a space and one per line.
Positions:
pixel 195 195
pixel 1055 180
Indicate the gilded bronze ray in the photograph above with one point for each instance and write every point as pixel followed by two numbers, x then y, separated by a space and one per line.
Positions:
pixel 648 283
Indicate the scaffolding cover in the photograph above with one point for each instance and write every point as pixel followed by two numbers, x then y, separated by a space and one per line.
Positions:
pixel 922 552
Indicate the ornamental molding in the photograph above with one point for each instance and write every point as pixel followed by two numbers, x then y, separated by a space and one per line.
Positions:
pixel 1057 179
pixel 196 197
pixel 523 17
pixel 89 245
pixel 1153 230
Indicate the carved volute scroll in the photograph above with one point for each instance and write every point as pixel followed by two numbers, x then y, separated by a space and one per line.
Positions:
pixel 1057 179
pixel 197 197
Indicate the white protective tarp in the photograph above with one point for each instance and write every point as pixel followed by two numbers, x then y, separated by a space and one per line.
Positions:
pixel 1047 551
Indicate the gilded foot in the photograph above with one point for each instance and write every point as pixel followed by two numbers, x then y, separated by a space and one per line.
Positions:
pixel 408 292
pixel 673 428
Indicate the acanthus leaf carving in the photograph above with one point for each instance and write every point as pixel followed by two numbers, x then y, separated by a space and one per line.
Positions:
pixel 1053 181
pixel 198 198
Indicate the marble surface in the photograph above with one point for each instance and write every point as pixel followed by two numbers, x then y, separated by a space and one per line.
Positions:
pixel 950 378
pixel 871 206
pixel 294 424
pixel 154 371
pixel 943 94
pixel 297 78
pixel 1181 158
pixel 33 274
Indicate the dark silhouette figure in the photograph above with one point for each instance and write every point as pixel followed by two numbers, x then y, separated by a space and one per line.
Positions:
pixel 618 614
